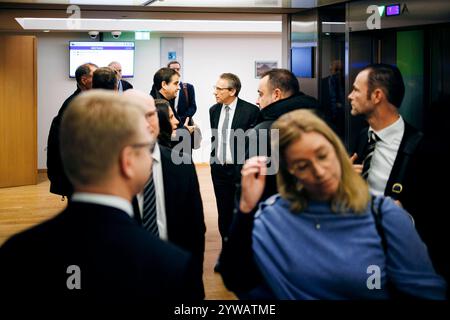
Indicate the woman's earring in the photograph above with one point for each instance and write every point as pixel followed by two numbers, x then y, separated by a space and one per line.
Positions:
pixel 299 186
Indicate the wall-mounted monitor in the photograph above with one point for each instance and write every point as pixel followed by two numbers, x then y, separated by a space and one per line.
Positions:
pixel 102 53
pixel 303 62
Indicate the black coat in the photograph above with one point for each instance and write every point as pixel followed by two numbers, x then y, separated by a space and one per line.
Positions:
pixel 266 118
pixel 126 85
pixel 184 211
pixel 400 185
pixel 119 261
pixel 59 183
pixel 186 105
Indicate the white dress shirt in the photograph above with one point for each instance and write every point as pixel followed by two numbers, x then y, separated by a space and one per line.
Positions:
pixel 232 105
pixel 104 200
pixel 384 155
pixel 177 98
pixel 159 193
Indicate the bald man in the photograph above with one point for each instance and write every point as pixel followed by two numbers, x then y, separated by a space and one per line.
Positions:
pixel 123 84
pixel 179 208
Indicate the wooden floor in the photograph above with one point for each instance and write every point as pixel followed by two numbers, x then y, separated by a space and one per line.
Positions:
pixel 22 207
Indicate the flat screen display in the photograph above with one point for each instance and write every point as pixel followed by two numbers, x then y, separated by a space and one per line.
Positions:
pixel 102 53
pixel 393 10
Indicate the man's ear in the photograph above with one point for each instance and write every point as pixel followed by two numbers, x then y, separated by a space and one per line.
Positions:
pixel 163 85
pixel 233 92
pixel 126 162
pixel 277 94
pixel 377 95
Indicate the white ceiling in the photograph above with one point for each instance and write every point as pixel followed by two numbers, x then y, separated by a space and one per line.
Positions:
pixel 185 3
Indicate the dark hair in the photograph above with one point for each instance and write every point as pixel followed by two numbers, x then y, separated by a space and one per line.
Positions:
pixel 104 78
pixel 173 62
pixel 389 79
pixel 282 79
pixel 163 74
pixel 83 70
pixel 233 81
pixel 165 127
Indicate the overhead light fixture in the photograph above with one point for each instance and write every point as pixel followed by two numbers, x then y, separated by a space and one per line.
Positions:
pixel 149 2
pixel 158 25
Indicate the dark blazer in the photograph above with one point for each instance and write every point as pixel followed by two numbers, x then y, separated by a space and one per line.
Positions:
pixel 186 105
pixel 126 85
pixel 245 116
pixel 184 211
pixel 59 183
pixel 119 261
pixel 400 186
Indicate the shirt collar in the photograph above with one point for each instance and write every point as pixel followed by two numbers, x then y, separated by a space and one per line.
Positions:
pixel 390 133
pixel 156 154
pixel 232 105
pixel 104 200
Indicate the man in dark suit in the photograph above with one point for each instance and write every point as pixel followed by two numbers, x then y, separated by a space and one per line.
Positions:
pixel 166 84
pixel 123 85
pixel 228 114
pixel 179 208
pixel 185 101
pixel 385 152
pixel 59 183
pixel 94 250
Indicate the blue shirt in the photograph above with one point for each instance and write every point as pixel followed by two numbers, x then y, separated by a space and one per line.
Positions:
pixel 318 254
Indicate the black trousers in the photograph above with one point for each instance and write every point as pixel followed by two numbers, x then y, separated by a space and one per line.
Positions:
pixel 224 181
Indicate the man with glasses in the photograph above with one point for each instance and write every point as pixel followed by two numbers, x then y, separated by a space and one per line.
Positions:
pixel 94 251
pixel 174 210
pixel 230 113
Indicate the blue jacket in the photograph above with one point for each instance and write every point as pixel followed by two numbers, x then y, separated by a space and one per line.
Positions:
pixel 318 254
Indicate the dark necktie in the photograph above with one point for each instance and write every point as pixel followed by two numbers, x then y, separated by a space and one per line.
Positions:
pixel 223 155
pixel 149 221
pixel 373 139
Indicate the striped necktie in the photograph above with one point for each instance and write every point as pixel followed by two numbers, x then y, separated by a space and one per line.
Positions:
pixel 149 221
pixel 373 139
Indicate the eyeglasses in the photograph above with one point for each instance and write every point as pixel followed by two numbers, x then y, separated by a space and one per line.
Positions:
pixel 220 89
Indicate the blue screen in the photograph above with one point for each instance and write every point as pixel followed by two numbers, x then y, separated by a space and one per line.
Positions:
pixel 302 62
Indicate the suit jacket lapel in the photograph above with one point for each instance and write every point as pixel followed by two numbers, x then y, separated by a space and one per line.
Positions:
pixel 216 115
pixel 169 184
pixel 237 116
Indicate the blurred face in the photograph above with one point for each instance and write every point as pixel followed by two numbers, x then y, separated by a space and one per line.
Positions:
pixel 175 66
pixel 223 93
pixel 87 79
pixel 170 90
pixel 143 158
pixel 265 95
pixel 151 115
pixel 118 68
pixel 358 97
pixel 313 161
pixel 173 120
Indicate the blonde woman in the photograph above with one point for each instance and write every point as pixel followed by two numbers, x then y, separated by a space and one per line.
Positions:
pixel 321 237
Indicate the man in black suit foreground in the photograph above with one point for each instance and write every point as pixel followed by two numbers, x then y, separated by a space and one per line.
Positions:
pixel 179 208
pixel 229 114
pixel 94 250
